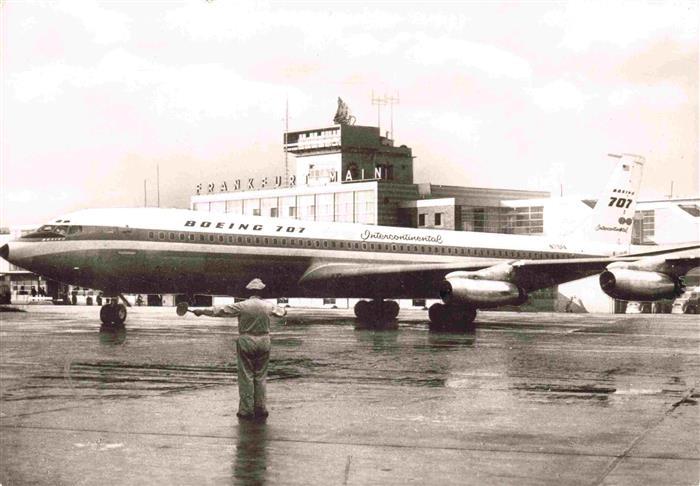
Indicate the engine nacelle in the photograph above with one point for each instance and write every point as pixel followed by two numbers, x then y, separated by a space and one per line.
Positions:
pixel 640 285
pixel 477 292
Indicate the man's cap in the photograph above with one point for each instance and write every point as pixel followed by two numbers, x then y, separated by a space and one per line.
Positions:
pixel 255 284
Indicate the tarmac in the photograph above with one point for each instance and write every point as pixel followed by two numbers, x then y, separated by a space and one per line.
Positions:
pixel 527 399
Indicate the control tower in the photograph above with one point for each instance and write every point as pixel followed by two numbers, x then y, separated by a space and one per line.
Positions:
pixel 345 153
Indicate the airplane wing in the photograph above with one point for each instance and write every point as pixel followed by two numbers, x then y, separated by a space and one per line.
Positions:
pixel 406 279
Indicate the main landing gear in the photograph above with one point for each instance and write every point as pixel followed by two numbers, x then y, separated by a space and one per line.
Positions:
pixel 449 318
pixel 113 313
pixel 377 314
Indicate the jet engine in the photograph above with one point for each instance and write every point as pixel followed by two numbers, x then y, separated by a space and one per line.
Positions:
pixel 476 292
pixel 640 285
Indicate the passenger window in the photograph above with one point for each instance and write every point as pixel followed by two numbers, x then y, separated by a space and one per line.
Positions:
pixel 357 245
pixel 325 244
pixel 274 241
pixel 284 241
pixel 221 238
pixel 182 237
pixel 266 240
pixel 211 238
pixel 317 243
pixel 248 239
pixel 191 236
pixel 161 236
pixel 393 247
pixel 230 239
pixel 239 239
pixel 364 246
pixel 257 240
pixel 151 235
pixel 333 244
pixel 371 246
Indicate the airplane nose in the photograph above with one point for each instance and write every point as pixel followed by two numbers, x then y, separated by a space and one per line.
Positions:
pixel 5 251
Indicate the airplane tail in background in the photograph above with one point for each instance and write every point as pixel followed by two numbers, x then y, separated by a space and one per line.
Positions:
pixel 613 214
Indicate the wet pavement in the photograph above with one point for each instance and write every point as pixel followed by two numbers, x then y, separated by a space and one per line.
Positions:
pixel 528 399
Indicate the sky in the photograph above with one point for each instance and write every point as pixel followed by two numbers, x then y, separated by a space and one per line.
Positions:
pixel 98 96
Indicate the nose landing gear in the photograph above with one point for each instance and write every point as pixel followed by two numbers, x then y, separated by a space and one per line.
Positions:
pixel 113 313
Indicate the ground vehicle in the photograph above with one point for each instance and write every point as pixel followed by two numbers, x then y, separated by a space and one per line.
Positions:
pixel 688 303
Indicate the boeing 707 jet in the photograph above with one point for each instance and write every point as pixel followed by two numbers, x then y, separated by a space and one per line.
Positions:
pixel 151 250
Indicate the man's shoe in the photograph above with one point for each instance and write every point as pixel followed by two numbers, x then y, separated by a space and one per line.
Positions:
pixel 245 416
pixel 261 413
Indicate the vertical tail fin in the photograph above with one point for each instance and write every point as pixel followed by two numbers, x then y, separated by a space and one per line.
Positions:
pixel 613 214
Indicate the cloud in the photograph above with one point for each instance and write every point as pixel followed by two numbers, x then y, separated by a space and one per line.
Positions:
pixel 489 59
pixel 558 96
pixel 189 92
pixel 106 26
pixel 660 97
pixel 457 125
pixel 622 23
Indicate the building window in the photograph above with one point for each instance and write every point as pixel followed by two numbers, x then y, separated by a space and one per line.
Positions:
pixel 234 207
pixel 324 207
pixel 365 207
pixel 438 219
pixel 421 220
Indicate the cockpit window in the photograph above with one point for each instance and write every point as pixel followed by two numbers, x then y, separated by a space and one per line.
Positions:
pixel 49 231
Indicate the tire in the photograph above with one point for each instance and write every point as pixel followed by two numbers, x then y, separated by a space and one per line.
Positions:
pixel 119 314
pixel 362 309
pixel 391 309
pixel 106 314
pixel 437 315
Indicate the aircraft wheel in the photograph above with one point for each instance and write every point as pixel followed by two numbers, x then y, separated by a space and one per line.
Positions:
pixel 106 314
pixel 462 319
pixel 362 310
pixel 113 314
pixel 451 319
pixel 119 315
pixel 438 317
pixel 390 309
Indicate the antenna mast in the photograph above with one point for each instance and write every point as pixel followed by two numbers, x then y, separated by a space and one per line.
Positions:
pixel 379 101
pixel 391 101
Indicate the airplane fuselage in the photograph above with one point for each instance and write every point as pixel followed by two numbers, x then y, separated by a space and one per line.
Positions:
pixel 181 251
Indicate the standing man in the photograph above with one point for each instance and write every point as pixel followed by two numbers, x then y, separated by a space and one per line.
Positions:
pixel 252 347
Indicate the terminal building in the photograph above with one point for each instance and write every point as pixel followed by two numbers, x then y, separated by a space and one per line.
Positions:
pixel 348 173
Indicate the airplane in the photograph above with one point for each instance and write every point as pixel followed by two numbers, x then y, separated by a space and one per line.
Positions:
pixel 178 251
